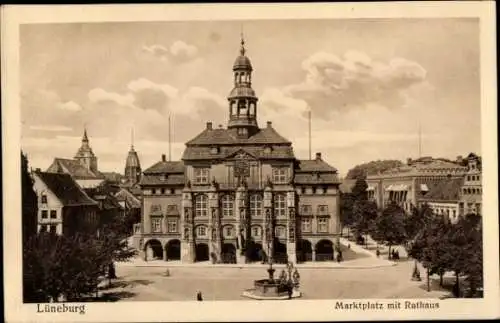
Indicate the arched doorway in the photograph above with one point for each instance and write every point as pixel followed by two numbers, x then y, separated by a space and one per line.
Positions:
pixel 324 250
pixel 228 253
pixel 153 249
pixel 173 249
pixel 202 252
pixel 280 255
pixel 304 250
pixel 255 251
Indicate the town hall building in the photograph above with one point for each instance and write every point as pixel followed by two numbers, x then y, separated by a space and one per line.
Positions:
pixel 239 194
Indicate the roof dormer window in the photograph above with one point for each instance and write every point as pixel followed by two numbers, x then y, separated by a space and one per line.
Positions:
pixel 214 150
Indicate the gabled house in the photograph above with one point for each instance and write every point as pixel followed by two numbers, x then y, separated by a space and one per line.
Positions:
pixel 63 206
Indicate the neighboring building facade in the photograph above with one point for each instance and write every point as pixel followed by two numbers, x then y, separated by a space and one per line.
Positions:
pixel 239 194
pixel 63 207
pixel 409 184
pixel 443 196
pixel 472 190
pixel 83 168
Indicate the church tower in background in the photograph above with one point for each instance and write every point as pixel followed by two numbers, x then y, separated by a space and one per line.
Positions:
pixel 132 166
pixel 85 155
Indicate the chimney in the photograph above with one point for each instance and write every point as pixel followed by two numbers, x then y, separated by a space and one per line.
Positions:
pixel 318 156
pixel 38 170
pixel 209 125
pixel 269 124
pixel 460 159
pixel 409 161
pixel 163 158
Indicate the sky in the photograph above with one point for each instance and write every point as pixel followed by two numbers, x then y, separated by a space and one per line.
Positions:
pixel 369 84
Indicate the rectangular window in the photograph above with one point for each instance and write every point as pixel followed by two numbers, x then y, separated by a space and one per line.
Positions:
pixel 322 209
pixel 172 226
pixel 280 175
pixel 53 229
pixel 153 191
pixel 44 199
pixel 306 225
pixel 322 225
pixel 306 209
pixel 43 228
pixel 53 214
pixel 155 225
pixel 256 232
pixel 162 190
pixel 280 205
pixel 201 175
pixel 45 214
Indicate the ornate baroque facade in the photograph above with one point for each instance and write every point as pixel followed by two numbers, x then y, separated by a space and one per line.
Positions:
pixel 239 194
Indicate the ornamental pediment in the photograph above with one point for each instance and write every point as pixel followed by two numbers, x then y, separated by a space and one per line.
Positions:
pixel 241 155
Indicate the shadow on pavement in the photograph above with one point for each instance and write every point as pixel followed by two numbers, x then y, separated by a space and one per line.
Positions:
pixel 115 296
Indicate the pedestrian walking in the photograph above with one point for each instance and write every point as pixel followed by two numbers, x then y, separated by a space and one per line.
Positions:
pixel 378 253
pixel 199 297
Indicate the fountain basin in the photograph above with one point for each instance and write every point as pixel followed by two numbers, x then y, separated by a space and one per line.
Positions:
pixel 264 289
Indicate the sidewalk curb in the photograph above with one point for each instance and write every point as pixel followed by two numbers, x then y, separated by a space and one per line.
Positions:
pixel 170 266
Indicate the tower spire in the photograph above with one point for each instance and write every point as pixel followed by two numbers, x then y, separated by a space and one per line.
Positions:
pixel 419 139
pixel 85 138
pixel 169 138
pixel 242 49
pixel 309 117
pixel 132 138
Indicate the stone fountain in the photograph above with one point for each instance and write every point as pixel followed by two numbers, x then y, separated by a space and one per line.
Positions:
pixel 285 287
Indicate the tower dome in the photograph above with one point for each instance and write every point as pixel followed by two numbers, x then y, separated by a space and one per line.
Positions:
pixel 132 159
pixel 242 62
pixel 132 165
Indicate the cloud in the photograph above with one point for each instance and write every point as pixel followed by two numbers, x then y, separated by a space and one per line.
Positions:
pixel 335 84
pixel 157 50
pixel 178 52
pixel 54 128
pixel 99 95
pixel 182 51
pixel 150 95
pixel 70 106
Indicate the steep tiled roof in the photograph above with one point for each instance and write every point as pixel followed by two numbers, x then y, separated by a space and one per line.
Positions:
pixel 65 189
pixel 129 198
pixel 315 165
pixel 440 190
pixel 162 167
pixel 277 152
pixel 228 137
pixel 171 179
pixel 74 168
pixel 319 178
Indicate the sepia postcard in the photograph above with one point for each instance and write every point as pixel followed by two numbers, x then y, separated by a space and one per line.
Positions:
pixel 250 162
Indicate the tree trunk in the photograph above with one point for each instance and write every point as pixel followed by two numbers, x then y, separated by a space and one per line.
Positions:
pixel 441 274
pixel 428 279
pixel 389 255
pixel 458 284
